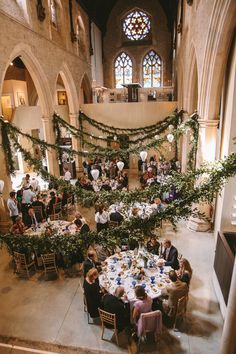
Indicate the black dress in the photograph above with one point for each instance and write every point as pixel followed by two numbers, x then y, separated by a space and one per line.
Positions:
pixel 93 298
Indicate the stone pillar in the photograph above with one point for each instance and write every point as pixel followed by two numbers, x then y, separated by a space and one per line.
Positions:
pixel 206 153
pixel 49 137
pixel 5 222
pixel 76 145
pixel 228 343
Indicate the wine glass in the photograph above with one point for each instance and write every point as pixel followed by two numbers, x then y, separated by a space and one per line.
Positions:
pixel 134 283
pixel 152 279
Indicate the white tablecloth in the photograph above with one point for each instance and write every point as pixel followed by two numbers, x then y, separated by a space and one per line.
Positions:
pixel 58 226
pixel 118 266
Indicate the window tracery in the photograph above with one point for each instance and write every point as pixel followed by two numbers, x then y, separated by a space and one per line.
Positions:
pixel 136 25
pixel 152 70
pixel 123 70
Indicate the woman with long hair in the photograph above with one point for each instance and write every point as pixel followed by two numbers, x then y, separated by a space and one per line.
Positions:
pixel 185 271
pixel 92 292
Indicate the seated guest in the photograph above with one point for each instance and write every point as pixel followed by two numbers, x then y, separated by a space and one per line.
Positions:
pixel 90 262
pixel 125 180
pixel 92 292
pixel 185 271
pixel 31 219
pixel 142 305
pixel 39 203
pixel 174 292
pixel 12 206
pixel 106 186
pixel 153 245
pixel 101 218
pixel 114 304
pixel 54 200
pixel 19 227
pixel 102 253
pixel 170 255
pixel 115 215
pixel 158 206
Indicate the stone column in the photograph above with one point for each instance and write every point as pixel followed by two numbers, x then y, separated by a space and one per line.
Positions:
pixel 76 145
pixel 5 222
pixel 228 343
pixel 206 153
pixel 52 161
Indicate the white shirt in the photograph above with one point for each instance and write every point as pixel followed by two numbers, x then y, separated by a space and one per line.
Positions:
pixel 167 252
pixel 101 218
pixel 34 184
pixel 67 176
pixel 12 207
pixel 27 196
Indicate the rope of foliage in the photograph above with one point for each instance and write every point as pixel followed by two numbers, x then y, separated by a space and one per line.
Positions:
pixel 135 228
pixel 129 131
pixel 9 130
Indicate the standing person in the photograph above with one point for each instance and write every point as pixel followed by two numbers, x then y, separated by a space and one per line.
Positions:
pixel 25 183
pixel 92 292
pixel 54 200
pixel 67 175
pixel 35 185
pixel 101 218
pixel 27 199
pixel 12 206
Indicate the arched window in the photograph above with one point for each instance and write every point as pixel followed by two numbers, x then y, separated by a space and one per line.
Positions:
pixel 136 25
pixel 53 13
pixel 123 70
pixel 152 70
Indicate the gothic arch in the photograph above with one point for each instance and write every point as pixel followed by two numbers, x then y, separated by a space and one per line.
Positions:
pixel 221 26
pixel 85 90
pixel 192 89
pixel 70 87
pixel 24 51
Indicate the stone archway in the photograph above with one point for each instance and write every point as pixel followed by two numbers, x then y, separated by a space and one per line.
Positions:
pixel 85 90
pixel 222 26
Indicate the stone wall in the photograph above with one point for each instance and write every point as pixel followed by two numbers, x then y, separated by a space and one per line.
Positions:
pixel 113 45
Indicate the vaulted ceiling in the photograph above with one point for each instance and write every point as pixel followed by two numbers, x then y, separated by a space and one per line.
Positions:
pixel 99 10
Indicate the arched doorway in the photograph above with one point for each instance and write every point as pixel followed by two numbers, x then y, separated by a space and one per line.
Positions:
pixel 85 90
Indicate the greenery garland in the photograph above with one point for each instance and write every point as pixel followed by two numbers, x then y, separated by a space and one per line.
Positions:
pixel 129 131
pixel 135 228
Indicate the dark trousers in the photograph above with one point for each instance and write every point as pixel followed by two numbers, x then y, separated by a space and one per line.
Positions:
pixel 102 226
pixel 13 218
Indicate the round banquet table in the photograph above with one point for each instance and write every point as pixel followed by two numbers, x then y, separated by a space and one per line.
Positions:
pixel 57 226
pixel 119 266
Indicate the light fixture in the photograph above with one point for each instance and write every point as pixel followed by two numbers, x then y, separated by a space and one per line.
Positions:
pixel 11 63
pixel 143 155
pixel 95 174
pixel 171 127
pixel 115 137
pixel 170 137
pixel 156 137
pixel 120 165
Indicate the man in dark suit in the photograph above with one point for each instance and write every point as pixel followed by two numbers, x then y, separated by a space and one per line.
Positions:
pixel 90 262
pixel 115 305
pixel 115 215
pixel 170 255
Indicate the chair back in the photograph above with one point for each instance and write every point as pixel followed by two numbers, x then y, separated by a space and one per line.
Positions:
pixel 57 208
pixel 20 260
pixel 55 217
pixel 150 322
pixel 107 317
pixel 49 262
pixel 113 224
pixel 69 201
pixel 180 309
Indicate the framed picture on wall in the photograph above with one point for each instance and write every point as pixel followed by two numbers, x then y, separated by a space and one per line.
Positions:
pixel 62 98
pixel 21 101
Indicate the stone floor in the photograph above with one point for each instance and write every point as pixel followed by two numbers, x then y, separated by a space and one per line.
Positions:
pixel 49 315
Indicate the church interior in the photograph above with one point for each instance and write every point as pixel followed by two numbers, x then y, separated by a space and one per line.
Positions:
pixel 94 94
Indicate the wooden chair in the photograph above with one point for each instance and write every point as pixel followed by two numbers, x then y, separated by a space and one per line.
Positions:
pixel 180 310
pixel 69 207
pixel 57 210
pixel 55 217
pixel 49 263
pixel 109 319
pixel 113 224
pixel 86 308
pixel 22 267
